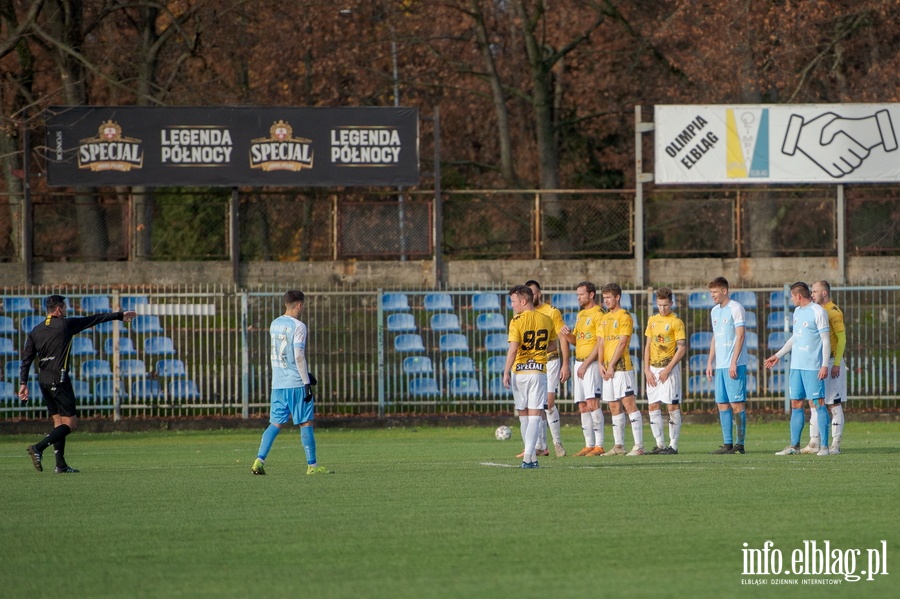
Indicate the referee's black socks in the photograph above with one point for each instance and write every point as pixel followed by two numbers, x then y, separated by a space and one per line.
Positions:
pixel 56 435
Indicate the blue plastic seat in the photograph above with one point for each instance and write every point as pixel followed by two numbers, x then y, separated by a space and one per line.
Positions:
pixel 171 369
pixel 423 387
pixel 779 299
pixel 698 384
pixel 778 320
pixel 464 385
pixel 147 324
pixel 9 392
pixel 753 364
pixel 777 340
pixel 634 343
pixel 570 318
pixel 183 389
pixel 92 304
pixel 82 389
pixel 11 369
pixel 454 342
pixel 408 342
pixel 490 321
pixel 496 342
pixel 438 301
pixel 402 322
pixel 751 341
pixel 566 302
pixel 131 302
pixel 159 346
pixel 459 365
pixel 697 363
pixel 146 389
pixel 495 364
pixel 777 384
pixel 104 390
pixel 417 365
pixel 34 389
pixel 126 346
pixel 445 321
pixel 700 300
pixel 92 369
pixel 700 341
pixel 82 346
pixel 18 305
pixel 7 347
pixel 744 298
pixel 394 302
pixel 29 322
pixel 496 388
pixel 752 386
pixel 750 320
pixel 625 301
pixel 132 368
pixel 7 326
pixel 486 302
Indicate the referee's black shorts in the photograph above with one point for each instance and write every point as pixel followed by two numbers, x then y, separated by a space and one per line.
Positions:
pixel 58 397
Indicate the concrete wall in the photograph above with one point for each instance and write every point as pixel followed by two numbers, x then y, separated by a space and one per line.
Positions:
pixel 743 272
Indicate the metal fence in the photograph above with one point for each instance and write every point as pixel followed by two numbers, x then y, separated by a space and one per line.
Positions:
pixel 203 351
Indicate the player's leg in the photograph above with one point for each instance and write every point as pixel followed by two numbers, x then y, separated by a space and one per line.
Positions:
pixel 674 426
pixel 279 415
pixel 654 413
pixel 726 416
pixel 619 418
pixel 836 397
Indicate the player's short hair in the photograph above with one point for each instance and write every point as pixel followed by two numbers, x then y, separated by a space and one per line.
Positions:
pixel 54 301
pixel 801 289
pixel 523 291
pixel 588 286
pixel 293 296
pixel 665 293
pixel 824 285
pixel 718 283
pixel 613 288
pixel 532 283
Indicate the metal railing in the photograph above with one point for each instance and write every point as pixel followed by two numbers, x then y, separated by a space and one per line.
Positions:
pixel 220 342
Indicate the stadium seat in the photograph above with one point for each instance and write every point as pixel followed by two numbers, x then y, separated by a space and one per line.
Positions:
pixel 459 365
pixel 132 368
pixel 147 324
pixel 700 341
pixel 92 369
pixel 159 346
pixel 566 302
pixel 753 364
pixel 438 301
pixel 778 320
pixel 698 384
pixel 423 387
pixel 745 298
pixel 464 385
pixel 570 318
pixel 145 389
pixel 634 343
pixel 453 342
pixel 18 305
pixel 29 322
pixel 131 302
pixel 9 391
pixel 490 321
pixel 7 347
pixel 777 340
pixel 700 300
pixel 697 363
pixel 445 321
pixel 183 389
pixel 751 341
pixel 779 300
pixel 126 346
pixel 7 326
pixel 106 328
pixel 486 302
pixel 752 386
pixel 82 389
pixel 496 342
pixel 495 364
pixel 394 302
pixel 625 301
pixel 495 387
pixel 92 304
pixel 403 322
pixel 408 342
pixel 777 384
pixel 103 391
pixel 169 369
pixel 750 320
pixel 417 365
pixel 34 390
pixel 82 346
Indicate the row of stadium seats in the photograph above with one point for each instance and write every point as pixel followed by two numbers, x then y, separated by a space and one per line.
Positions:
pixel 88 304
pixel 777 299
pixel 84 346
pixel 143 324
pixel 479 302
pixel 146 389
pixel 100 369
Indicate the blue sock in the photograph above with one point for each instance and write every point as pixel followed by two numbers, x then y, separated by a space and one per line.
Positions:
pixel 823 417
pixel 268 437
pixel 308 438
pixel 741 426
pixel 797 421
pixel 726 419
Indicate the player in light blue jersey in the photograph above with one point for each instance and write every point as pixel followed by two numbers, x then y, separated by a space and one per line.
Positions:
pixel 292 398
pixel 810 347
pixel 727 365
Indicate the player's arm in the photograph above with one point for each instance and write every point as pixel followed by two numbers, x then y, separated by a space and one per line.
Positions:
pixel 299 346
pixel 711 361
pixel 739 334
pixel 839 347
pixel 680 350
pixel 510 360
pixel 564 356
pixel 651 378
pixel 773 359
pixel 826 353
pixel 621 348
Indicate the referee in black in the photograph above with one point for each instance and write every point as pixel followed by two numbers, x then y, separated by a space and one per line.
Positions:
pixel 50 342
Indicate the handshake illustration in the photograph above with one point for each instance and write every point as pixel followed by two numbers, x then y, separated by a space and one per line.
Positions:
pixel 838 144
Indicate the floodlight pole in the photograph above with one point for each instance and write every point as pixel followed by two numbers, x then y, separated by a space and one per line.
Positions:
pixel 640 178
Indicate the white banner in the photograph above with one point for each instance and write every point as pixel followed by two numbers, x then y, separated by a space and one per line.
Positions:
pixel 777 143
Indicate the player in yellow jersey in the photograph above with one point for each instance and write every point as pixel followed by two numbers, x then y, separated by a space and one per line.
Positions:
pixel 617 372
pixel 663 350
pixel 836 383
pixel 587 381
pixel 531 337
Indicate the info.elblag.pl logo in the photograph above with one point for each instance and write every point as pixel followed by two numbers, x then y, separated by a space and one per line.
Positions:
pixel 813 562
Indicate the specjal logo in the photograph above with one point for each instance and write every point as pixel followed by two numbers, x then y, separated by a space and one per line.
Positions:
pixel 281 151
pixel 110 151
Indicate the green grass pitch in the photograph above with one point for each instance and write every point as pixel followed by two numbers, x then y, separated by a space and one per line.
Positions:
pixel 441 512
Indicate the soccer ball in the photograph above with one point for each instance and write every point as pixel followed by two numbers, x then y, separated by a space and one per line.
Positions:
pixel 503 433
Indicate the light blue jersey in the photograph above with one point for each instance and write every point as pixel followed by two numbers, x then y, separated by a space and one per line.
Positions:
pixel 725 321
pixel 288 336
pixel 810 321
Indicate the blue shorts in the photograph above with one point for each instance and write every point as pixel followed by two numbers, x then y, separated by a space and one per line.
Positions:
pixel 805 384
pixel 729 390
pixel 289 404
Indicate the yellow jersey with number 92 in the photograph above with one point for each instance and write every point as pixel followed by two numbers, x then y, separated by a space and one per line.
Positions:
pixel 533 332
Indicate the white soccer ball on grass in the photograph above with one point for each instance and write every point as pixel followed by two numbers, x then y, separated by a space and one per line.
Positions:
pixel 503 433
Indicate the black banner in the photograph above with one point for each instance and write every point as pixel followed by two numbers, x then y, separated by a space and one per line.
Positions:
pixel 220 146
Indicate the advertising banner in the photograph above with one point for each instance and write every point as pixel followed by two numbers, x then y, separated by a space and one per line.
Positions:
pixel 777 143
pixel 216 146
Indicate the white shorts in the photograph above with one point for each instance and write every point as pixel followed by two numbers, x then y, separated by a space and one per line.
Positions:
pixel 553 375
pixel 620 385
pixel 590 386
pixel 529 390
pixel 836 389
pixel 668 392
